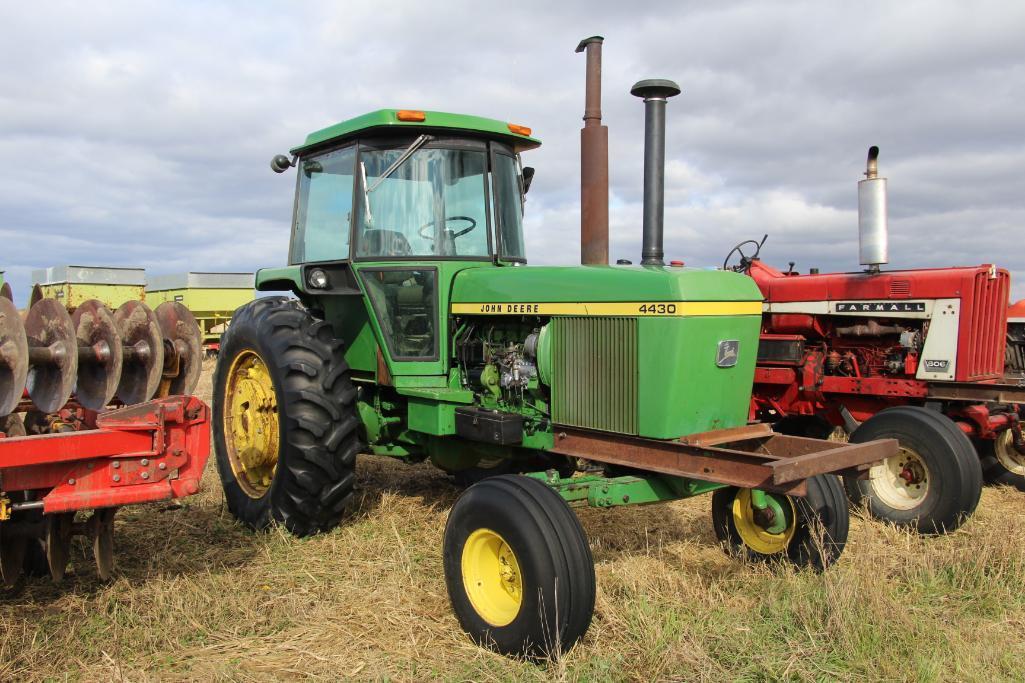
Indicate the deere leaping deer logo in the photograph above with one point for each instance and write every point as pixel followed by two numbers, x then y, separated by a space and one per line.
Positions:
pixel 729 351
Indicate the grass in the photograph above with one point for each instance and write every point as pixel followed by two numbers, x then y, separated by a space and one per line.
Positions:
pixel 198 597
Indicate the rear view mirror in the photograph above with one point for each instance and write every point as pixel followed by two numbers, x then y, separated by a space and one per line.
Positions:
pixel 280 163
pixel 528 176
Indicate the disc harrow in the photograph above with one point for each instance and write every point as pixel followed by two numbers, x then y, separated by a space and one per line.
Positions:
pixel 105 398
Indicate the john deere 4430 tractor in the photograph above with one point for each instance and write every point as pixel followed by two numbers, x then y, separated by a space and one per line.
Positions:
pixel 417 331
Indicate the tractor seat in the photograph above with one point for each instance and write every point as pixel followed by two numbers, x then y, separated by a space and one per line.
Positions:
pixel 383 243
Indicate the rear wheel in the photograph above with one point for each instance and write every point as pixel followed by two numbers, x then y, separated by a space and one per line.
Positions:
pixel 285 424
pixel 518 567
pixel 1002 464
pixel 933 484
pixel 807 532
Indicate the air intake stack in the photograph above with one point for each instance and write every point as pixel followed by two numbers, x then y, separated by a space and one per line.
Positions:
pixel 594 163
pixel 872 231
pixel 654 92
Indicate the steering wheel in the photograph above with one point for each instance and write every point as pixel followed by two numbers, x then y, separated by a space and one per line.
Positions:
pixel 745 260
pixel 467 219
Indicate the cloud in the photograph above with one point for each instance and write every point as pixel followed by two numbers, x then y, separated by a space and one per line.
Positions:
pixel 139 133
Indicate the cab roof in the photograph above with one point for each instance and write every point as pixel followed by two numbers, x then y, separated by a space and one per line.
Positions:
pixel 432 120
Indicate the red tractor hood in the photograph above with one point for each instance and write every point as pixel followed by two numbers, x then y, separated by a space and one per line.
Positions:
pixel 927 283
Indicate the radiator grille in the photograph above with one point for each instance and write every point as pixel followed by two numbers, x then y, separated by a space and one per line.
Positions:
pixel 594 382
pixel 987 327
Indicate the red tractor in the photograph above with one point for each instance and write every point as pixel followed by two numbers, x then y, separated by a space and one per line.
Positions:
pixel 916 355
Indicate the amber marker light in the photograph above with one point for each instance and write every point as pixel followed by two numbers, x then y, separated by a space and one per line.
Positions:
pixel 519 130
pixel 410 115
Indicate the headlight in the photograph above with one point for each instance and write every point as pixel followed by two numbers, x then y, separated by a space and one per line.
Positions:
pixel 317 279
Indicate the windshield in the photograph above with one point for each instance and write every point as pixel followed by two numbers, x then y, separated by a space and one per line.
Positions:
pixel 433 204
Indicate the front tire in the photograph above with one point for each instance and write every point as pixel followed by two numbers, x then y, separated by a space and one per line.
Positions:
pixel 518 568
pixel 806 532
pixel 285 422
pixel 933 484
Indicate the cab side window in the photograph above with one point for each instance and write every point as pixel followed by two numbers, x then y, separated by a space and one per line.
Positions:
pixel 324 212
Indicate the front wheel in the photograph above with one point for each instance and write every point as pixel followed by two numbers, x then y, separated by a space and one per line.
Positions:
pixel 285 424
pixel 934 482
pixel 807 532
pixel 518 567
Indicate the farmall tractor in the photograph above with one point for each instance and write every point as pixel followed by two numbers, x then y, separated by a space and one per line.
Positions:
pixel 95 413
pixel 914 355
pixel 417 331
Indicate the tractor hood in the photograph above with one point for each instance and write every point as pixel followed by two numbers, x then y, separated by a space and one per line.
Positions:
pixel 576 287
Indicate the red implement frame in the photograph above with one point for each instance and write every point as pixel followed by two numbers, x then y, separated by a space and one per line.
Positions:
pixel 139 454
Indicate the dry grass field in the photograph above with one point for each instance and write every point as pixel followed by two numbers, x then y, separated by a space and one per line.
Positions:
pixel 198 597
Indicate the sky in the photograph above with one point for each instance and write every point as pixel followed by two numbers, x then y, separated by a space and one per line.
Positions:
pixel 139 133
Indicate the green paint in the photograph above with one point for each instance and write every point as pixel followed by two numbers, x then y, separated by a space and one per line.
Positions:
pixel 489 378
pixel 431 417
pixel 603 492
pixel 681 389
pixel 601 284
pixel 287 279
pixel 386 119
pixel 758 501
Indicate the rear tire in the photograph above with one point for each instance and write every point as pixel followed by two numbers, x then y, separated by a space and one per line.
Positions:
pixel 519 571
pixel 815 534
pixel 1002 465
pixel 288 453
pixel 933 485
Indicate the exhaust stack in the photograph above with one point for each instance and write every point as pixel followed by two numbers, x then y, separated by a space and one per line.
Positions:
pixel 872 232
pixel 655 92
pixel 594 163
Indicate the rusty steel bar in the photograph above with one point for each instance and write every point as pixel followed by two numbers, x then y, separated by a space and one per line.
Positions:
pixel 594 163
pixel 808 457
pixel 754 457
pixel 747 470
pixel 971 391
pixel 721 436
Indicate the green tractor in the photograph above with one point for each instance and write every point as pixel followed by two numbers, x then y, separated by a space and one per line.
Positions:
pixel 417 331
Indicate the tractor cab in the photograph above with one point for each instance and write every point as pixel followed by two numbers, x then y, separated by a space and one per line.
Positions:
pixel 392 203
pixel 397 185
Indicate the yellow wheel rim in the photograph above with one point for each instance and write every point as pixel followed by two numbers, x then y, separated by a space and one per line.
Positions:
pixel 251 423
pixel 754 535
pixel 491 577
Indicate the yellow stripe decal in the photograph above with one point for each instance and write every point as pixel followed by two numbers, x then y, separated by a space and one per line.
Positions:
pixel 625 308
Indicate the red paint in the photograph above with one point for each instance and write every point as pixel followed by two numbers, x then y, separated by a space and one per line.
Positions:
pixel 76 470
pixel 866 374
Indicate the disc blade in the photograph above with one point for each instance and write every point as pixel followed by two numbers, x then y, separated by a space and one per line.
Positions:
pixel 101 355
pixel 58 543
pixel 101 528
pixel 143 352
pixel 179 327
pixel 48 325
pixel 13 357
pixel 36 296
